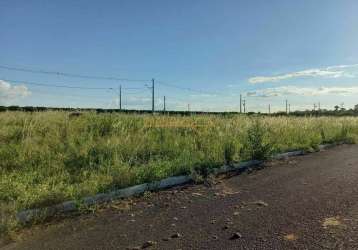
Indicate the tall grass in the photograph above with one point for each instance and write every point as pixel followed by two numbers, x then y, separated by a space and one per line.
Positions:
pixel 48 157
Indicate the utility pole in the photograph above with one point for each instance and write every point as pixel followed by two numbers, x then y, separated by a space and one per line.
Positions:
pixel 120 97
pixel 153 96
pixel 286 106
pixel 188 107
pixel 244 104
pixel 319 106
pixel 289 108
pixel 269 109
pixel 314 106
pixel 164 104
pixel 240 103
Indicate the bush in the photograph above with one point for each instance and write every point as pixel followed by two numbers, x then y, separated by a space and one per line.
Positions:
pixel 257 144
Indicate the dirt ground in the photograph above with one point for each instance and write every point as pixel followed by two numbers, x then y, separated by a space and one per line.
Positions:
pixel 306 202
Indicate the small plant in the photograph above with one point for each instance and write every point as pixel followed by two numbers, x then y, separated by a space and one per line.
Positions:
pixel 257 144
pixel 344 132
pixel 197 177
pixel 229 152
pixel 323 135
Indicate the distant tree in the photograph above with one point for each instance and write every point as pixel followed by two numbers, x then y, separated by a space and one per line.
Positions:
pixel 13 108
pixel 28 109
pixel 41 108
pixel 336 108
pixel 356 108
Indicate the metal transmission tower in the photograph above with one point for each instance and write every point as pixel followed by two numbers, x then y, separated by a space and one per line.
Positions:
pixel 240 103
pixel 286 106
pixel 164 105
pixel 153 95
pixel 120 97
pixel 244 104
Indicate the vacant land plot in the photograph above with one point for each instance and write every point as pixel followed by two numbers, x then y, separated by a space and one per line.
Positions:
pixel 49 157
pixel 306 202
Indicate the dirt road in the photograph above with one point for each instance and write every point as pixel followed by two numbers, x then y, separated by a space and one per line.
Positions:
pixel 307 202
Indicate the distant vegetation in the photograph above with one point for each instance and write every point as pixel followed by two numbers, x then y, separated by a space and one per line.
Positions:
pixel 336 111
pixel 50 157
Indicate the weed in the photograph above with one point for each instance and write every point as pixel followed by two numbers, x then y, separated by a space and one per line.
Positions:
pixel 257 143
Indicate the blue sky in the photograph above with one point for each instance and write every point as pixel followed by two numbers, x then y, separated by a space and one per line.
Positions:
pixel 304 51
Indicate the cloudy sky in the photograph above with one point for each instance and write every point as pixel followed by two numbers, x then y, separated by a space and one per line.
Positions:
pixel 204 53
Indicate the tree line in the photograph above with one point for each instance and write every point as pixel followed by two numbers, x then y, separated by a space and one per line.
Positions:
pixel 337 111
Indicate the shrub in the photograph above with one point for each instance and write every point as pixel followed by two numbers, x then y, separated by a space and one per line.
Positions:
pixel 257 144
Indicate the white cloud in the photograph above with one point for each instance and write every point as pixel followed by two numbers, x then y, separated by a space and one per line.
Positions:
pixel 9 93
pixel 330 72
pixel 294 90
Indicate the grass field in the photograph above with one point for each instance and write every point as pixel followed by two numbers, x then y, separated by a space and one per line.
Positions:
pixel 50 157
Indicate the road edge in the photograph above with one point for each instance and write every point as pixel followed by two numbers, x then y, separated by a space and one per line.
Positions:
pixel 30 215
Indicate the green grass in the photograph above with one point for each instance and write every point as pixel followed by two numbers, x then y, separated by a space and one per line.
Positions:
pixel 47 158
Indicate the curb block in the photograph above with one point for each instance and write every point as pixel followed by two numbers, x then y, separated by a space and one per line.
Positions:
pixel 30 215
pixel 236 167
pixel 288 154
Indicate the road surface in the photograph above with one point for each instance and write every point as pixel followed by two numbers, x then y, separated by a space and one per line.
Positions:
pixel 306 202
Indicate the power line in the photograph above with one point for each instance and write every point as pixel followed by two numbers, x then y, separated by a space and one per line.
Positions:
pixel 77 97
pixel 60 85
pixel 58 73
pixel 137 92
pixel 188 89
pixel 17 82
pixel 111 78
pixel 51 85
pixel 64 95
pixel 114 89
